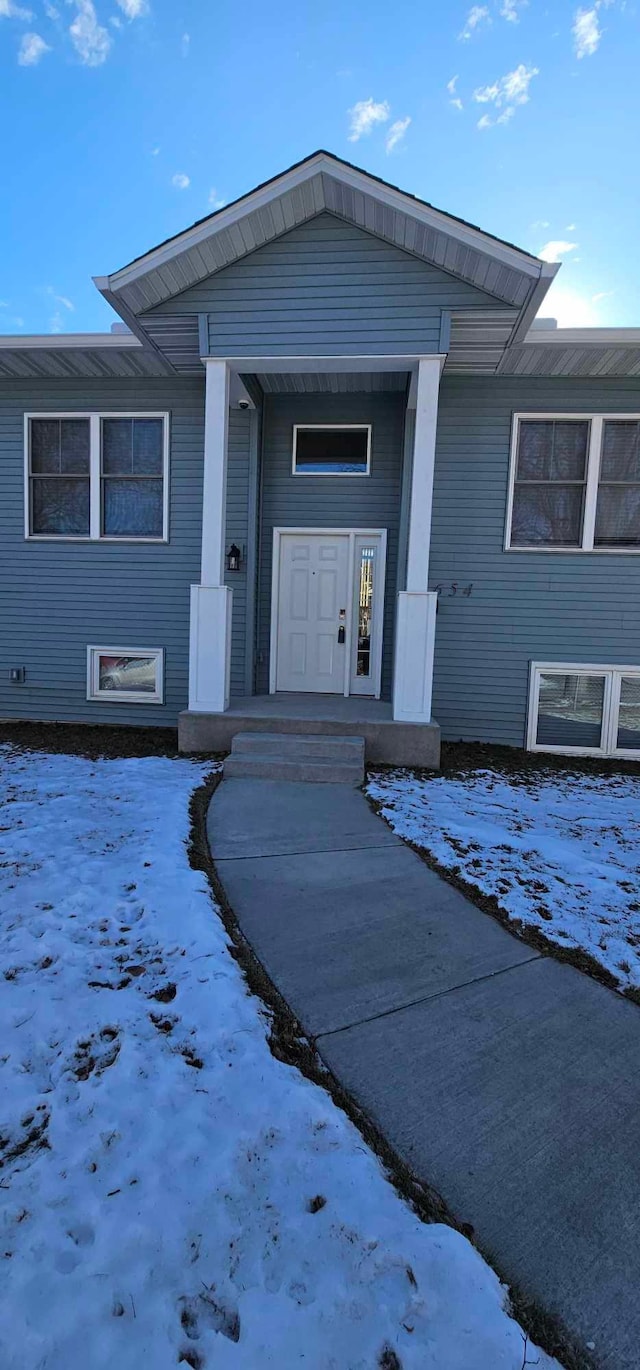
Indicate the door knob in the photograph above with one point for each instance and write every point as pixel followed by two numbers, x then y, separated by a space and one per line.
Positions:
pixel 341 633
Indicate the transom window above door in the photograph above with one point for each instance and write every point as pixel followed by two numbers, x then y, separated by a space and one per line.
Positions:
pixel 97 476
pixel 331 449
pixel 575 483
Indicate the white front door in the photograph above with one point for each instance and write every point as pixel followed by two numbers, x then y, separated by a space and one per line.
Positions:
pixel 314 606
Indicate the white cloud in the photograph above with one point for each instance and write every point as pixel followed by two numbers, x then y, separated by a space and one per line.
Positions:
pixel 9 10
pixel 586 32
pixel 61 299
pixel 571 228
pixel 32 48
pixel 364 116
pixel 185 44
pixel 51 11
pixel 540 223
pixel 56 322
pixel 509 10
pixel 180 181
pixel 134 9
pixel 156 150
pixel 478 14
pixel 396 133
pixel 454 98
pixel 214 200
pixel 505 95
pixel 556 250
pixel 602 295
pixel 90 40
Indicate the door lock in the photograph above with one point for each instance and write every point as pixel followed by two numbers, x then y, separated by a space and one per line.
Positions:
pixel 343 615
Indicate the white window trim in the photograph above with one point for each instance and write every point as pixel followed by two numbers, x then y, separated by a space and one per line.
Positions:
pixel 325 428
pixel 596 423
pixel 95 418
pixel 124 696
pixel 610 707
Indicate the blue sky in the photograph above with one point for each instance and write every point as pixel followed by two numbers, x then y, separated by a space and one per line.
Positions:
pixel 123 121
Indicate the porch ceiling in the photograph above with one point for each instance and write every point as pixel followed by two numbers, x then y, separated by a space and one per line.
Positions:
pixel 333 383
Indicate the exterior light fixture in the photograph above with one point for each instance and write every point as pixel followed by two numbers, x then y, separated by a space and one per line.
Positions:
pixel 234 557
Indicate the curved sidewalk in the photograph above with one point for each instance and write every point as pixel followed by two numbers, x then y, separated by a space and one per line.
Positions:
pixel 507 1080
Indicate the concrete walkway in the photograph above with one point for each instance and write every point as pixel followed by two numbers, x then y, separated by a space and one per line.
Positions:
pixel 510 1082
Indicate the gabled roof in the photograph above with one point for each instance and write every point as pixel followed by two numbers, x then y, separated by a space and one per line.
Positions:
pixel 323 182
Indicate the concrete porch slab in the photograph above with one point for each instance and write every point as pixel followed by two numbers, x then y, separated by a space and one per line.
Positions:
pixel 519 1097
pixel 387 742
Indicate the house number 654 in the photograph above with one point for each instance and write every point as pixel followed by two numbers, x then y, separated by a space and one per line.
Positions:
pixel 454 589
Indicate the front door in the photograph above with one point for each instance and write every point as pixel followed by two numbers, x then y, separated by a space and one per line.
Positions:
pixel 313 605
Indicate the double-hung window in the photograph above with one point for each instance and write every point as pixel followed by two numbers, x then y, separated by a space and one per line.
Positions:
pixel 97 476
pixel 575 483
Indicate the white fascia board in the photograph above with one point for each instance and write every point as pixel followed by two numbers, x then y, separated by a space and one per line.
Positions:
pixel 583 337
pixel 358 180
pixel 21 342
pixel 300 365
pixel 533 304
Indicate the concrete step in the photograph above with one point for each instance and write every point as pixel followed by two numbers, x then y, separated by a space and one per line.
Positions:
pixel 298 747
pixel 305 770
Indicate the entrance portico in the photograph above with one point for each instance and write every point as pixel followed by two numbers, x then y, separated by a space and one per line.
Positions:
pixel 344 654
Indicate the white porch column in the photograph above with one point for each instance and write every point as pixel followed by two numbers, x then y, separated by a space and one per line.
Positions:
pixel 416 611
pixel 211 600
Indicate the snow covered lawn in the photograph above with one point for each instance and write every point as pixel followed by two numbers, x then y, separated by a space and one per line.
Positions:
pixel 560 852
pixel 169 1191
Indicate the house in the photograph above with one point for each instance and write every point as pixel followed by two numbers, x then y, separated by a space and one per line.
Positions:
pixel 330 466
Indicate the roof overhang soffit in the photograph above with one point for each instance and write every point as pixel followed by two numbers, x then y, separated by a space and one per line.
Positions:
pixel 323 183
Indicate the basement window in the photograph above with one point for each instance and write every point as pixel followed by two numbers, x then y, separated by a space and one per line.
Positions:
pixel 128 675
pixel 331 449
pixel 584 710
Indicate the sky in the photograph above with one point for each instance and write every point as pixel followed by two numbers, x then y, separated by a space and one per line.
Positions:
pixel 124 121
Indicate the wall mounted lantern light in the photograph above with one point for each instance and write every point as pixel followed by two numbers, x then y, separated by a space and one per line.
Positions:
pixel 234 558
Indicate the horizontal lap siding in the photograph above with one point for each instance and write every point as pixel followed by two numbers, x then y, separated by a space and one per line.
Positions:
pixel 330 502
pixel 326 287
pixel 57 597
pixel 524 606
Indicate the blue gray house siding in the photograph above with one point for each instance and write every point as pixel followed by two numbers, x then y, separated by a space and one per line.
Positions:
pixel 325 287
pixel 57 597
pixel 524 606
pixel 330 502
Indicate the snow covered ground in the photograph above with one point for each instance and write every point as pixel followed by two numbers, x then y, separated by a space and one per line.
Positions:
pixel 170 1193
pixel 559 852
